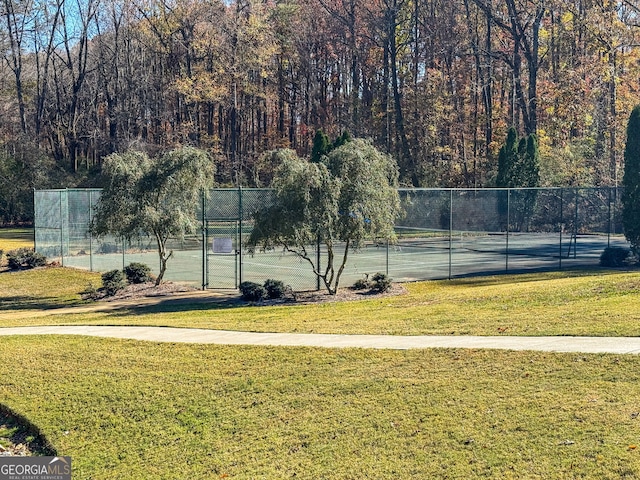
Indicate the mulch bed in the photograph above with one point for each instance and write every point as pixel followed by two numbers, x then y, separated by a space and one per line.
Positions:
pixel 167 289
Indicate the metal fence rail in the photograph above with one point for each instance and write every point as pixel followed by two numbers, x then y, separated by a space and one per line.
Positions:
pixel 442 233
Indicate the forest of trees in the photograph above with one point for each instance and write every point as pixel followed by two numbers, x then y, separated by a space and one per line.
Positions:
pixel 435 83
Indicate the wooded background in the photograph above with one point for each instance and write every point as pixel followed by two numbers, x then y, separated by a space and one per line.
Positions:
pixel 435 83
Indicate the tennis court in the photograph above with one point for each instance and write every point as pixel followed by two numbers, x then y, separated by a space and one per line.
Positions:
pixel 407 260
pixel 443 234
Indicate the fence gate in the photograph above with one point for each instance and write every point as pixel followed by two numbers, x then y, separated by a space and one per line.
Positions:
pixel 223 244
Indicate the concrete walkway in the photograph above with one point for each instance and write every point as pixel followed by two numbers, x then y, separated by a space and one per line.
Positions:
pixel 615 345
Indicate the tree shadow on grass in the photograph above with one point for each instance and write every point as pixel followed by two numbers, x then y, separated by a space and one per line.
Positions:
pixel 178 305
pixel 26 302
pixel 23 432
pixel 526 275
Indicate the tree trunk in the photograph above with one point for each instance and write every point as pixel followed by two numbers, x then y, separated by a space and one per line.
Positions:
pixel 14 61
pixel 487 87
pixel 162 254
pixel 406 161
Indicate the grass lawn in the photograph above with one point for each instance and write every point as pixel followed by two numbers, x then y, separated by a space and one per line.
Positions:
pixel 139 410
pixel 597 303
pixel 25 291
pixel 13 238
pixel 142 410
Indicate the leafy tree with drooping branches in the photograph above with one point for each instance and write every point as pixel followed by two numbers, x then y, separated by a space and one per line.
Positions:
pixel 349 197
pixel 631 181
pixel 153 197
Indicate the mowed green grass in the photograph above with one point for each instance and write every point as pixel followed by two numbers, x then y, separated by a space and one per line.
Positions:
pixel 139 410
pixel 585 303
pixel 42 288
pixel 143 410
pixel 13 238
pixel 595 303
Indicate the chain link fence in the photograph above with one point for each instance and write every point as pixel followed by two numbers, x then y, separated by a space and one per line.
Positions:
pixel 442 233
pixel 502 230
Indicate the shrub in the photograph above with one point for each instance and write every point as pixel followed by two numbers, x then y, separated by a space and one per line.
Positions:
pixel 25 258
pixel 252 291
pixel 380 283
pixel 90 292
pixel 113 281
pixel 361 284
pixel 631 192
pixel 137 272
pixel 107 248
pixel 275 288
pixel 34 259
pixel 615 257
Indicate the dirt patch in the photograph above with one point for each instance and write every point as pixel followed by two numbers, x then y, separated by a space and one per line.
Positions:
pixel 9 449
pixel 145 290
pixel 345 295
pixel 170 291
pixel 18 437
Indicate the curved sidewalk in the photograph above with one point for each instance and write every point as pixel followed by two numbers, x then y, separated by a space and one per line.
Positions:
pixel 616 345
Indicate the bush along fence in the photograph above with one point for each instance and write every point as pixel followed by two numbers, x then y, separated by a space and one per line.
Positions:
pixel 441 233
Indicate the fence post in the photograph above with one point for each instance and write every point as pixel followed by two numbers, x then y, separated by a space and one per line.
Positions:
pixel 561 226
pixel 90 234
pixel 239 246
pixel 35 225
pixel 506 251
pixel 450 230
pixel 574 235
pixel 61 231
pixel 203 204
pixel 609 219
pixel 318 257
pixel 387 259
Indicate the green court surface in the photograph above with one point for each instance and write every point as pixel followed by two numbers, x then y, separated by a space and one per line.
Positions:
pixel 223 266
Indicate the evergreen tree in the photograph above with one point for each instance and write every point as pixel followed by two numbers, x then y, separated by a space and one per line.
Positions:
pixel 631 181
pixel 518 162
pixel 518 168
pixel 321 146
pixel 506 159
pixel 530 163
pixel 341 140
